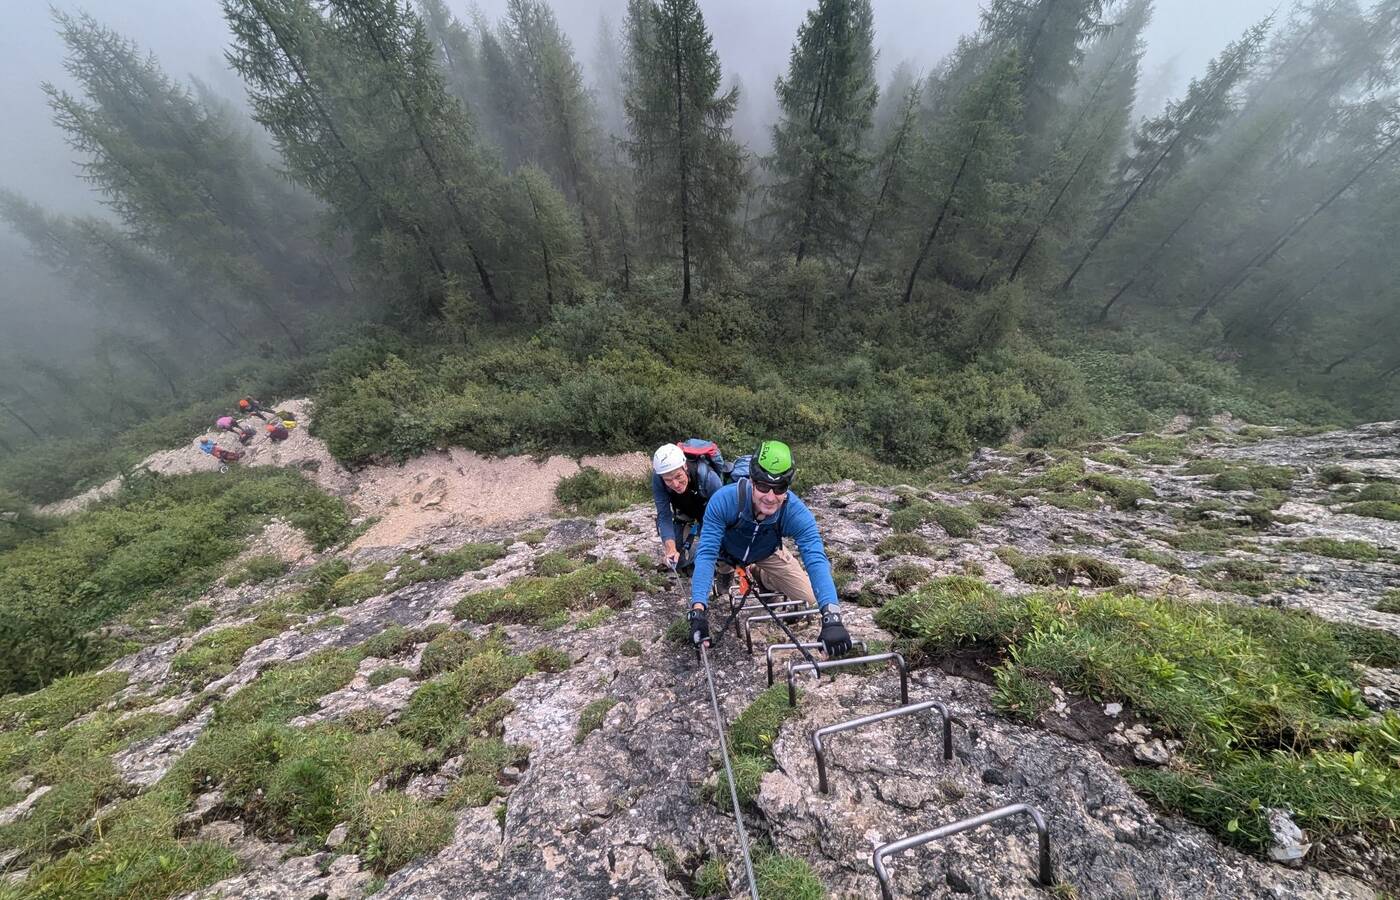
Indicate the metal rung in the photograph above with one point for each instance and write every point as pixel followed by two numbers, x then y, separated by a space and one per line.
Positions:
pixel 794 667
pixel 815 645
pixel 773 598
pixel 773 619
pixel 772 604
pixel 849 724
pixel 1046 875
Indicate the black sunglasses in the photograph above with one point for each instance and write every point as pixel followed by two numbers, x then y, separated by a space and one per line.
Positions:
pixel 768 487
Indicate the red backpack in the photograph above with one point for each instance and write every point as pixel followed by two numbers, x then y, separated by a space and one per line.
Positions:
pixel 698 448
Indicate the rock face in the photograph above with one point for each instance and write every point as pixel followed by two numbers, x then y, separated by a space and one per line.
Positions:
pixel 619 812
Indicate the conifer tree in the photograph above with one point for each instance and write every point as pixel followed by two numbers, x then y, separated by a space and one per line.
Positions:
pixel 1164 144
pixel 689 170
pixel 827 100
pixel 964 174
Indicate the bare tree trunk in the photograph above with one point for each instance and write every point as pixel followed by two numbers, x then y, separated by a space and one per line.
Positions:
pixel 942 214
pixel 1152 258
pixel 1241 274
pixel 544 247
pixel 22 420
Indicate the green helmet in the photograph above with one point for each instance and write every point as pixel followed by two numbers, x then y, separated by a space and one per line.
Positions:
pixel 773 463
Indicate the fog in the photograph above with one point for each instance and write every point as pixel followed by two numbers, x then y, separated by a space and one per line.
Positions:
pixel 189 37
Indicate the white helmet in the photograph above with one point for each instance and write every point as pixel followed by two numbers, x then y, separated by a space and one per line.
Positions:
pixel 667 458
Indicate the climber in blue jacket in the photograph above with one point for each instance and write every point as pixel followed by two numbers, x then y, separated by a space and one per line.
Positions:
pixel 744 525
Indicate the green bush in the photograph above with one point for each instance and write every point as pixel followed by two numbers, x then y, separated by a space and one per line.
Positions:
pixel 1336 549
pixel 157 541
pixel 257 569
pixel 593 493
pixel 903 545
pixel 1383 490
pixel 1376 509
pixel 534 599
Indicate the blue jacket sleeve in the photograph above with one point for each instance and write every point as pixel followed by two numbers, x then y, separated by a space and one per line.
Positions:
pixel 722 511
pixel 665 521
pixel 802 528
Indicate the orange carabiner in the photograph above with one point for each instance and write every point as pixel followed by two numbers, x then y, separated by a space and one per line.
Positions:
pixel 741 574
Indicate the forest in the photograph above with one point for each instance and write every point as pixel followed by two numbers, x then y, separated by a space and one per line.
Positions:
pixel 446 230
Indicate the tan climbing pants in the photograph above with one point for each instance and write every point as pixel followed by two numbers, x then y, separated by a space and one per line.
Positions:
pixel 780 572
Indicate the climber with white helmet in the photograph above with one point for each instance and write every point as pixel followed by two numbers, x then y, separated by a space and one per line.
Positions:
pixel 684 477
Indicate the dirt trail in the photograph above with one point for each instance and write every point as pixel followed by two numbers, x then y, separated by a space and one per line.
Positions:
pixel 439 489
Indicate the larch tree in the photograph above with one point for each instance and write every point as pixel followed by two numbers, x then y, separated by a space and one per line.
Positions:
pixel 689 169
pixel 827 100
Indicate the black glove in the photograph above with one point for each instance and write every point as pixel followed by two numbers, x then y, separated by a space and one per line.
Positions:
pixel 834 635
pixel 700 627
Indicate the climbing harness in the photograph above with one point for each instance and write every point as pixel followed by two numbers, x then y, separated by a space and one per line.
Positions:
pixel 703 650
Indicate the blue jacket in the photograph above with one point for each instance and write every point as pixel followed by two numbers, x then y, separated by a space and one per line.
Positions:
pixel 730 530
pixel 709 482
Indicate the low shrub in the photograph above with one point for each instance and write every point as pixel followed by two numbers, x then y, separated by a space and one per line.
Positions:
pixel 903 545
pixel 257 569
pixel 534 599
pixel 155 544
pixel 1336 549
pixel 594 493
pixel 1375 509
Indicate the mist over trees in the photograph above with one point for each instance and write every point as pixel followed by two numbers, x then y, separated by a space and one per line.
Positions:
pixel 424 169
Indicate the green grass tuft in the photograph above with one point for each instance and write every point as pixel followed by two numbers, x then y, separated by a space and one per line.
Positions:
pixel 452 564
pixel 1339 475
pixel 256 570
pixel 1265 701
pixel 1060 568
pixel 396 829
pixel 591 718
pixel 445 652
pixel 217 653
pixel 1380 491
pixel 143 553
pixel 751 741
pixel 290 689
pixel 382 676
pixel 1375 509
pixel 1336 549
pixel 782 877
pixel 906 577
pixel 1390 603
pixel 593 493
pixel 535 600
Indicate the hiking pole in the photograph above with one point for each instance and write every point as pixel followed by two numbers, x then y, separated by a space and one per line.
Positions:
pixel 729 771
